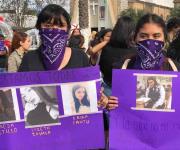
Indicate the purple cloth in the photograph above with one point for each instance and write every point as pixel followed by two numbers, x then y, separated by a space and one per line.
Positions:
pixel 150 56
pixel 2 45
pixel 132 129
pixel 53 47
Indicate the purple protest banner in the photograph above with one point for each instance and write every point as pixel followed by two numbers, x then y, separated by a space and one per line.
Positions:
pixel 51 110
pixel 148 114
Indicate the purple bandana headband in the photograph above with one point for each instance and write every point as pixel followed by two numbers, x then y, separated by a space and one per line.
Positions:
pixel 53 47
pixel 150 55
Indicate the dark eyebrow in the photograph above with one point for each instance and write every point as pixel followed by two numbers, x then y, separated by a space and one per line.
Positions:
pixel 155 34
pixel 145 34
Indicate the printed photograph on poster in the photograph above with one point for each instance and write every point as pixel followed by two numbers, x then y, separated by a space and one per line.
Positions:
pixel 154 93
pixel 79 97
pixel 9 110
pixel 40 105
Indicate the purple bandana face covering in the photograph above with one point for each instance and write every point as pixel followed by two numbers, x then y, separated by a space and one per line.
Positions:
pixel 53 47
pixel 150 55
pixel 2 45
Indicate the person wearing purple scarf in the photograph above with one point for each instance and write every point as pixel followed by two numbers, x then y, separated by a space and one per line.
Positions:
pixel 150 38
pixel 54 25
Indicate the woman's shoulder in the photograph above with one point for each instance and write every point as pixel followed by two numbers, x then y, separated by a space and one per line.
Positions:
pixel 126 63
pixel 78 58
pixel 33 56
pixel 13 54
pixel 32 53
pixel 78 52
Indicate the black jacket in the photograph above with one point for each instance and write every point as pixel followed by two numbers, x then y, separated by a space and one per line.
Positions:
pixel 32 61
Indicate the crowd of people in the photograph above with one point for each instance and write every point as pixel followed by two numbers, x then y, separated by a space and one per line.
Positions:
pixel 151 44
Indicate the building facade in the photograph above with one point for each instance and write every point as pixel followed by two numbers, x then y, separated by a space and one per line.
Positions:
pixel 104 13
pixel 150 7
pixel 176 3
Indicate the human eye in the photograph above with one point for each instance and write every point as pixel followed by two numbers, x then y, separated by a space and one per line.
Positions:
pixel 143 36
pixel 156 36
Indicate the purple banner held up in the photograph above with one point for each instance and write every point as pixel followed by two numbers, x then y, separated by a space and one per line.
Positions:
pixel 148 114
pixel 51 110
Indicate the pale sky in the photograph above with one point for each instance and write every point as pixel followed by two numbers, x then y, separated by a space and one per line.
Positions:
pixel 168 3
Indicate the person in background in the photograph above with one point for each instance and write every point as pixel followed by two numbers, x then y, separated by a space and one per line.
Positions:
pixel 76 41
pixel 3 53
pixel 92 37
pixel 21 42
pixel 100 41
pixel 75 30
pixel 173 28
pixel 119 47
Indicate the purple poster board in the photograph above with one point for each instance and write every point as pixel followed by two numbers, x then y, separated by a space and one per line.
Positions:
pixel 42 112
pixel 148 114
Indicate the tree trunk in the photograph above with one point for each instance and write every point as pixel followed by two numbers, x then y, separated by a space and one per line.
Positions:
pixel 83 14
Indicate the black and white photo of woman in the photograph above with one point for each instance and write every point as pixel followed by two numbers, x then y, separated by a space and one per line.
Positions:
pixel 39 106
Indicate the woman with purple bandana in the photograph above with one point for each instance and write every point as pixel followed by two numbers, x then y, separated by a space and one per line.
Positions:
pixel 150 38
pixel 53 24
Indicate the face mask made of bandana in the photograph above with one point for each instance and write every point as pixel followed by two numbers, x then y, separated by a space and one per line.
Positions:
pixel 150 55
pixel 53 45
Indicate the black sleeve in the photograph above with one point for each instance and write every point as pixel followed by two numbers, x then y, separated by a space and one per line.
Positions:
pixel 24 64
pixel 106 65
pixel 86 62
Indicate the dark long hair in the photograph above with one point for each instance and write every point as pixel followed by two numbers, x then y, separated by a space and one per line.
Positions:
pixel 123 32
pixel 151 18
pixel 44 95
pixel 85 100
pixel 100 35
pixel 53 12
pixel 76 41
pixel 153 79
pixel 17 38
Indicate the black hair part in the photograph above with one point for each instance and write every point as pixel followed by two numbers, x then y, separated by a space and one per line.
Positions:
pixel 151 18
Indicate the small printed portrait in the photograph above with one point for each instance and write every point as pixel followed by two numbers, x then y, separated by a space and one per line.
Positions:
pixel 154 92
pixel 9 110
pixel 40 105
pixel 79 98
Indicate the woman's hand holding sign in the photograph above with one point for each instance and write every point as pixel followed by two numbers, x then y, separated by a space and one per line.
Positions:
pixel 108 102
